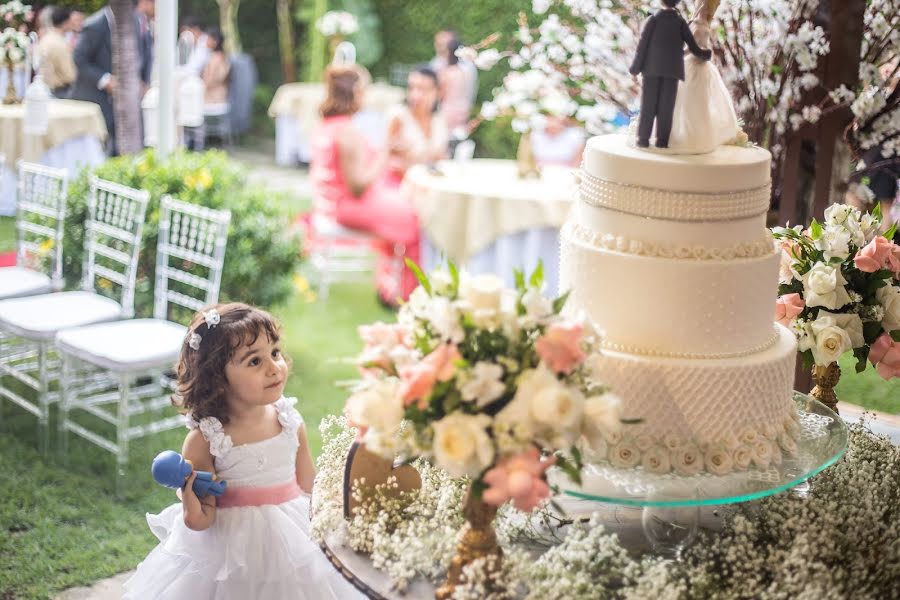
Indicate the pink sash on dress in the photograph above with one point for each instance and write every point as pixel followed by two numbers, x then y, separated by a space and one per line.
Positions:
pixel 259 496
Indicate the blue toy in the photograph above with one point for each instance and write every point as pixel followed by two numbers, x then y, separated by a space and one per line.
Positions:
pixel 172 470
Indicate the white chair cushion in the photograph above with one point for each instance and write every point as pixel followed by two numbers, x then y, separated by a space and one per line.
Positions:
pixel 17 281
pixel 131 345
pixel 40 317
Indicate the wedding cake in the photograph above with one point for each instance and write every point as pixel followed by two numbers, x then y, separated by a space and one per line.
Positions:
pixel 669 255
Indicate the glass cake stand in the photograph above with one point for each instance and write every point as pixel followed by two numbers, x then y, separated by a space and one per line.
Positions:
pixel 671 503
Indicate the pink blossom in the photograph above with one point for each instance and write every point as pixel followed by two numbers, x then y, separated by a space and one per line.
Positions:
pixel 417 383
pixel 443 360
pixel 519 478
pixel 787 307
pixel 885 355
pixel 560 347
pixel 382 334
pixel 893 260
pixel 360 429
pixel 874 255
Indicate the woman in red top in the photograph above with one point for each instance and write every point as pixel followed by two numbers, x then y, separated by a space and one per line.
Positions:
pixel 349 180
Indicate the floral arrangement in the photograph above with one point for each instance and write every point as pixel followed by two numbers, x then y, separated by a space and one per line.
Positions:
pixel 13 46
pixel 817 544
pixel 839 289
pixel 482 379
pixel 337 22
pixel 15 14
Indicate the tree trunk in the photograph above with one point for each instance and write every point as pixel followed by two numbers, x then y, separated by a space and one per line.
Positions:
pixel 228 14
pixel 317 48
pixel 126 65
pixel 286 40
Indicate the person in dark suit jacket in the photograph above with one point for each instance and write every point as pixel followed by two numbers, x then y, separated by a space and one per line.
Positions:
pixel 659 59
pixel 93 58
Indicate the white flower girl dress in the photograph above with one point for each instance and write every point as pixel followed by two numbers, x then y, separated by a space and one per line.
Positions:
pixel 259 545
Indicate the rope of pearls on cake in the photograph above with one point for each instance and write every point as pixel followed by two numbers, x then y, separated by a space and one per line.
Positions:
pixel 628 349
pixel 619 243
pixel 675 206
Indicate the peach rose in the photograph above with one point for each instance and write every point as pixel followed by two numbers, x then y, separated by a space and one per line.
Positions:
pixel 893 261
pixel 443 360
pixel 874 255
pixel 885 355
pixel 560 347
pixel 519 478
pixel 787 307
pixel 418 381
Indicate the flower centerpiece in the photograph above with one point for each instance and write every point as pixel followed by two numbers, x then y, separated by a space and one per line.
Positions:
pixel 839 291
pixel 13 51
pixel 489 383
pixel 337 25
pixel 15 14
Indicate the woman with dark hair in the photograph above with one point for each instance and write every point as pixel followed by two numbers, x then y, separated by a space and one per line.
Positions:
pixel 418 127
pixel 217 69
pixel 455 102
pixel 349 177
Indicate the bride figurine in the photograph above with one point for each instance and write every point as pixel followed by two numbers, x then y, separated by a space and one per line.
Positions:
pixel 704 116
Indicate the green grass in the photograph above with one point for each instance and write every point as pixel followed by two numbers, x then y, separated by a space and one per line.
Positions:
pixel 63 527
pixel 867 389
pixel 7 234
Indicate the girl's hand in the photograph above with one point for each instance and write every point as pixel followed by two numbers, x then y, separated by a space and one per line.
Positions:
pixel 189 499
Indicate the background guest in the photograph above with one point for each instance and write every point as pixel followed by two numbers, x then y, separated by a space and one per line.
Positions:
pixel 201 52
pixel 216 70
pixel 556 142
pixel 56 63
pixel 455 102
pixel 76 23
pixel 349 184
pixel 442 41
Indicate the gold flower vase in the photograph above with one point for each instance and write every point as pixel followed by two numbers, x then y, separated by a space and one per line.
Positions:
pixel 825 378
pixel 478 541
pixel 525 161
pixel 11 97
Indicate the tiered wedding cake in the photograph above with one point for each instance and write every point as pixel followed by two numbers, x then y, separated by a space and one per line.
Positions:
pixel 669 255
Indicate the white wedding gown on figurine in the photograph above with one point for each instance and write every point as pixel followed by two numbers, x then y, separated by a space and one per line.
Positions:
pixel 704 116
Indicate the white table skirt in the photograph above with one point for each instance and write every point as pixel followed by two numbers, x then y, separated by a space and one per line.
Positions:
pixel 291 146
pixel 520 250
pixel 74 154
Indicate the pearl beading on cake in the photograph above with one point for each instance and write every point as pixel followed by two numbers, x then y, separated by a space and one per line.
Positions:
pixel 637 350
pixel 675 206
pixel 619 243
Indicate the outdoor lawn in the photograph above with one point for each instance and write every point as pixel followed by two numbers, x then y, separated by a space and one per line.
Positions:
pixel 55 542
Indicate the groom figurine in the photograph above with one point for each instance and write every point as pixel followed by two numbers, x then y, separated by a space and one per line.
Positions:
pixel 659 59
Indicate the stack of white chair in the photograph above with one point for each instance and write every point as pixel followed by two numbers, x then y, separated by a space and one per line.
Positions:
pixel 29 325
pixel 119 373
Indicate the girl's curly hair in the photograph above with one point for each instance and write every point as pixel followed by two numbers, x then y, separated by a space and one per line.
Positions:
pixel 201 381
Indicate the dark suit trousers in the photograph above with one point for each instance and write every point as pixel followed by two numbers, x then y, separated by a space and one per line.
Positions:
pixel 657 102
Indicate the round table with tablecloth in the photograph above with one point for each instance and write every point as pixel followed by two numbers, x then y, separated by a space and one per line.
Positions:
pixel 74 139
pixel 482 216
pixel 295 109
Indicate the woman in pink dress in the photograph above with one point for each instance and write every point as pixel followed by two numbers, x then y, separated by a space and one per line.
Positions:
pixel 455 100
pixel 349 182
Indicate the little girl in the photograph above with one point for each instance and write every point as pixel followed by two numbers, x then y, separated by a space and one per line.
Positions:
pixel 253 541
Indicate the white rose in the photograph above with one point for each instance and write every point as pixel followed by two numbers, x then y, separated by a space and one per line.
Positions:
pixel 445 319
pixel 656 460
pixel 486 59
pixel 537 307
pixel 441 281
pixel 624 455
pixel 550 403
pixel 762 453
pixel 718 461
pixel 743 456
pixel 747 436
pixel 851 323
pixel 489 111
pixel 687 460
pixel 823 285
pixel 483 296
pixel 826 340
pixel 378 406
pixel 889 297
pixel 484 384
pixel 601 415
pixel 841 214
pixel 462 445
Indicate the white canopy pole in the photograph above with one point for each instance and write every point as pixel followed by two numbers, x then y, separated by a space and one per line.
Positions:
pixel 164 55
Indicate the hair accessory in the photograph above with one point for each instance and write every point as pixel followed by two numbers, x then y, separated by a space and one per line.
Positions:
pixel 212 318
pixel 194 341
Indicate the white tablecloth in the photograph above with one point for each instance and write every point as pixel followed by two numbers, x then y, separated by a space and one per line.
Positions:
pixel 292 146
pixel 73 154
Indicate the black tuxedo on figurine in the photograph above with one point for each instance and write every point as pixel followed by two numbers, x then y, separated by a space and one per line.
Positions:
pixel 659 59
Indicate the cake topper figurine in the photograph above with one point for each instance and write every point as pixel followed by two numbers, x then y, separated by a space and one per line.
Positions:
pixel 659 60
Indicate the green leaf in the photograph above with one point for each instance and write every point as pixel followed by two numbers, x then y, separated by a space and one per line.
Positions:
pixel 862 357
pixel 454 275
pixel 871 332
pixel 815 230
pixel 478 487
pixel 890 233
pixel 777 69
pixel 631 421
pixel 560 302
pixel 537 277
pixel 423 280
pixel 520 279
pixel 876 212
pixel 808 360
pixel 895 335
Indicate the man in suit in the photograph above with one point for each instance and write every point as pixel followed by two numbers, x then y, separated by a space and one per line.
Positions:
pixel 93 58
pixel 659 59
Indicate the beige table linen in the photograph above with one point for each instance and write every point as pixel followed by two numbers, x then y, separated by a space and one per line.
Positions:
pixel 68 119
pixel 473 203
pixel 302 101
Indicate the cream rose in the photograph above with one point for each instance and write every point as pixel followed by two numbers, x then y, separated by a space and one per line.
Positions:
pixel 483 384
pixel 823 285
pixel 787 443
pixel 551 404
pixel 441 281
pixel 601 416
pixel 656 460
pixel 687 460
pixel 889 297
pixel 378 406
pixel 462 445
pixel 748 436
pixel 851 323
pixel 483 295
pixel 718 461
pixel 762 453
pixel 826 340
pixel 624 455
pixel 742 456
pixel 672 441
